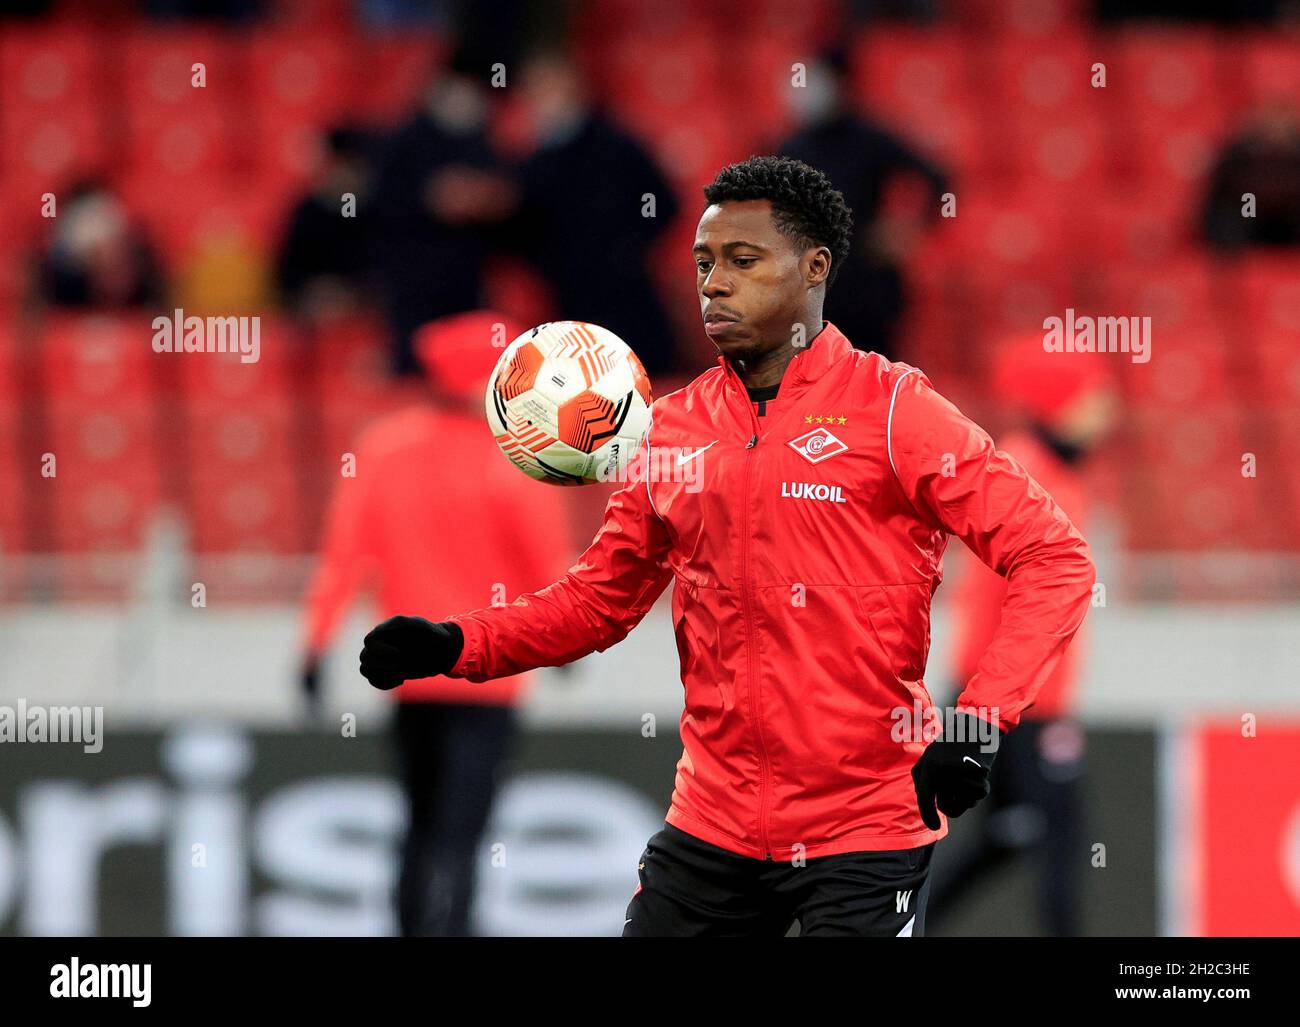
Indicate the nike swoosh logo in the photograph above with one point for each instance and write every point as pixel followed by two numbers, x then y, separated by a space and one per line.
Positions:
pixel 627 921
pixel 967 759
pixel 688 457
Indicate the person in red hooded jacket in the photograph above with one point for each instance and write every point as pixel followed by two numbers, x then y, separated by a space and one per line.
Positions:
pixel 426 477
pixel 799 495
pixel 1063 406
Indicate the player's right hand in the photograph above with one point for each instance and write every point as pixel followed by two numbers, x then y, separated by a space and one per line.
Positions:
pixel 405 648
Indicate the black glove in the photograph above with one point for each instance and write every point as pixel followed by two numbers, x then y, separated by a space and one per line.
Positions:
pixel 954 775
pixel 309 681
pixel 405 648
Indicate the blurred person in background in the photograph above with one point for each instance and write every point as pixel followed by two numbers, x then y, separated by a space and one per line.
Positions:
pixel 323 265
pixel 1065 408
pixel 426 476
pixel 583 192
pixel 96 255
pixel 1263 159
pixel 863 160
pixel 440 189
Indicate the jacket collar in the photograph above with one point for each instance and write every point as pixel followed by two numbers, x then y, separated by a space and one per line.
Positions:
pixel 826 348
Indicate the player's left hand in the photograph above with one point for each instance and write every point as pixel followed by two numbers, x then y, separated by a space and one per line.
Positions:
pixel 952 775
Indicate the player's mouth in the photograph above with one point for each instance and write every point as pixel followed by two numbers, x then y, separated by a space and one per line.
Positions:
pixel 717 323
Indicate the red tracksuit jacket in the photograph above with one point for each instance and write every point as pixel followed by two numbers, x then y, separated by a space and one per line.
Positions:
pixel 804 561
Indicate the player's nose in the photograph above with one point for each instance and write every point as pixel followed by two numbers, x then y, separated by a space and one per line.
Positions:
pixel 715 285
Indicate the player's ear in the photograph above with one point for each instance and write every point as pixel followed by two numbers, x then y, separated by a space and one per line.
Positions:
pixel 818 266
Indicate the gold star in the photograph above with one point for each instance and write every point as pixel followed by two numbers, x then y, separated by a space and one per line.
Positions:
pixel 843 420
pixel 820 419
pixel 807 419
pixel 640 866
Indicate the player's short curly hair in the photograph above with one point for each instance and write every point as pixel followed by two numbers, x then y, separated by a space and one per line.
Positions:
pixel 806 207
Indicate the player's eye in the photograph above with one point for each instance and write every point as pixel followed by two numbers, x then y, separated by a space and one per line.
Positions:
pixel 702 266
pixel 743 261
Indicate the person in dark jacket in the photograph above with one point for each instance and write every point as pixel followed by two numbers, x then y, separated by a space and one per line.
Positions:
pixel 323 265
pixel 1263 162
pixel 591 188
pixel 440 191
pixel 862 159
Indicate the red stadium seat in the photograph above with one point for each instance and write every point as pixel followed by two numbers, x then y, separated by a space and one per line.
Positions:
pixel 1031 233
pixel 1136 229
pixel 173 127
pixel 1285 427
pixel 1013 263
pixel 762 67
pixel 227 377
pixel 257 510
pixel 672 95
pixel 1189 367
pixel 1269 69
pixel 16 470
pixel 53 125
pixel 98 358
pixel 658 89
pixel 1055 131
pixel 107 480
pixel 1184 293
pixel 1276 383
pixel 1168 109
pixel 242 461
pixel 1071 151
pixel 234 436
pixel 919 84
pixel 1267 321
pixel 1177 441
pixel 17 482
pixel 22 229
pixel 183 218
pixel 1166 75
pixel 100 423
pixel 1189 492
pixel 300 86
pixel 1269 289
pixel 908 69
